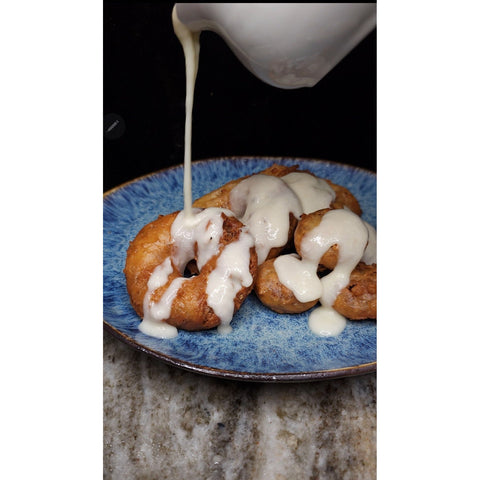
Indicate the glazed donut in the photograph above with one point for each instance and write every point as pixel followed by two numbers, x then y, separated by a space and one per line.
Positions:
pixel 156 259
pixel 194 271
pixel 221 196
pixel 329 259
pixel 356 301
pixel 317 193
pixel 265 204
pixel 271 202
pixel 306 224
pixel 339 243
pixel 274 294
pixel 270 209
pixel 344 198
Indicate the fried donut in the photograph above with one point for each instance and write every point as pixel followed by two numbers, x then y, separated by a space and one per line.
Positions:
pixel 344 198
pixel 274 294
pixel 156 259
pixel 221 196
pixel 329 259
pixel 290 283
pixel 334 196
pixel 265 204
pixel 357 301
pixel 306 224
pixel 272 207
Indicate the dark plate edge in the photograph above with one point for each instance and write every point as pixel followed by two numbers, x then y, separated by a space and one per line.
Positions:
pixel 295 377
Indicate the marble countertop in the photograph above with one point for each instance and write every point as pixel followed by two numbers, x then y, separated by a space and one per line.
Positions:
pixel 161 422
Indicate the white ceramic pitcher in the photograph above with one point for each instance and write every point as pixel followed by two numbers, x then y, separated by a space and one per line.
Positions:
pixel 287 45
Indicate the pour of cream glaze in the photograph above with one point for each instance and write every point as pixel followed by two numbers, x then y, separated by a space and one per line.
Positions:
pixel 191 48
pixel 287 45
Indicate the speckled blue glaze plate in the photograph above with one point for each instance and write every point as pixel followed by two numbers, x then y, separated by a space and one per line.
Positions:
pixel 264 346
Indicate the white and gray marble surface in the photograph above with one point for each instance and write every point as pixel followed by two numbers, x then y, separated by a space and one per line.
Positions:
pixel 161 422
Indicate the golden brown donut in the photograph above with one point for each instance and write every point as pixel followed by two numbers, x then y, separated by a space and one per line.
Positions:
pixel 358 301
pixel 306 224
pixel 220 196
pixel 274 295
pixel 344 198
pixel 189 310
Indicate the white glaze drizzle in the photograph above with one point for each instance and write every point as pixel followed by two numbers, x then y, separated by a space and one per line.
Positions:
pixel 202 235
pixel 264 204
pixel 345 229
pixel 202 230
pixel 326 322
pixel 314 193
pixel 199 235
pixel 154 314
pixel 338 227
pixel 191 48
pixel 299 276
pixel 231 273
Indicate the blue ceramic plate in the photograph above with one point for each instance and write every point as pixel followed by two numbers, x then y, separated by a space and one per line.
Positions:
pixel 264 346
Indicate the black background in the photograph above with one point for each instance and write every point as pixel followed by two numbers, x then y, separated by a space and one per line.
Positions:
pixel 234 112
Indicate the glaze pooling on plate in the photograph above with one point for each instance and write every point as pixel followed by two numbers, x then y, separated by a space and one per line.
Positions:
pixel 263 345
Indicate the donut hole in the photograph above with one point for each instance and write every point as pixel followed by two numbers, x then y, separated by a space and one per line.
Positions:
pixel 191 269
pixel 322 271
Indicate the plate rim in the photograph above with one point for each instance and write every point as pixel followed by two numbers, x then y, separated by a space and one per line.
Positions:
pixel 290 377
